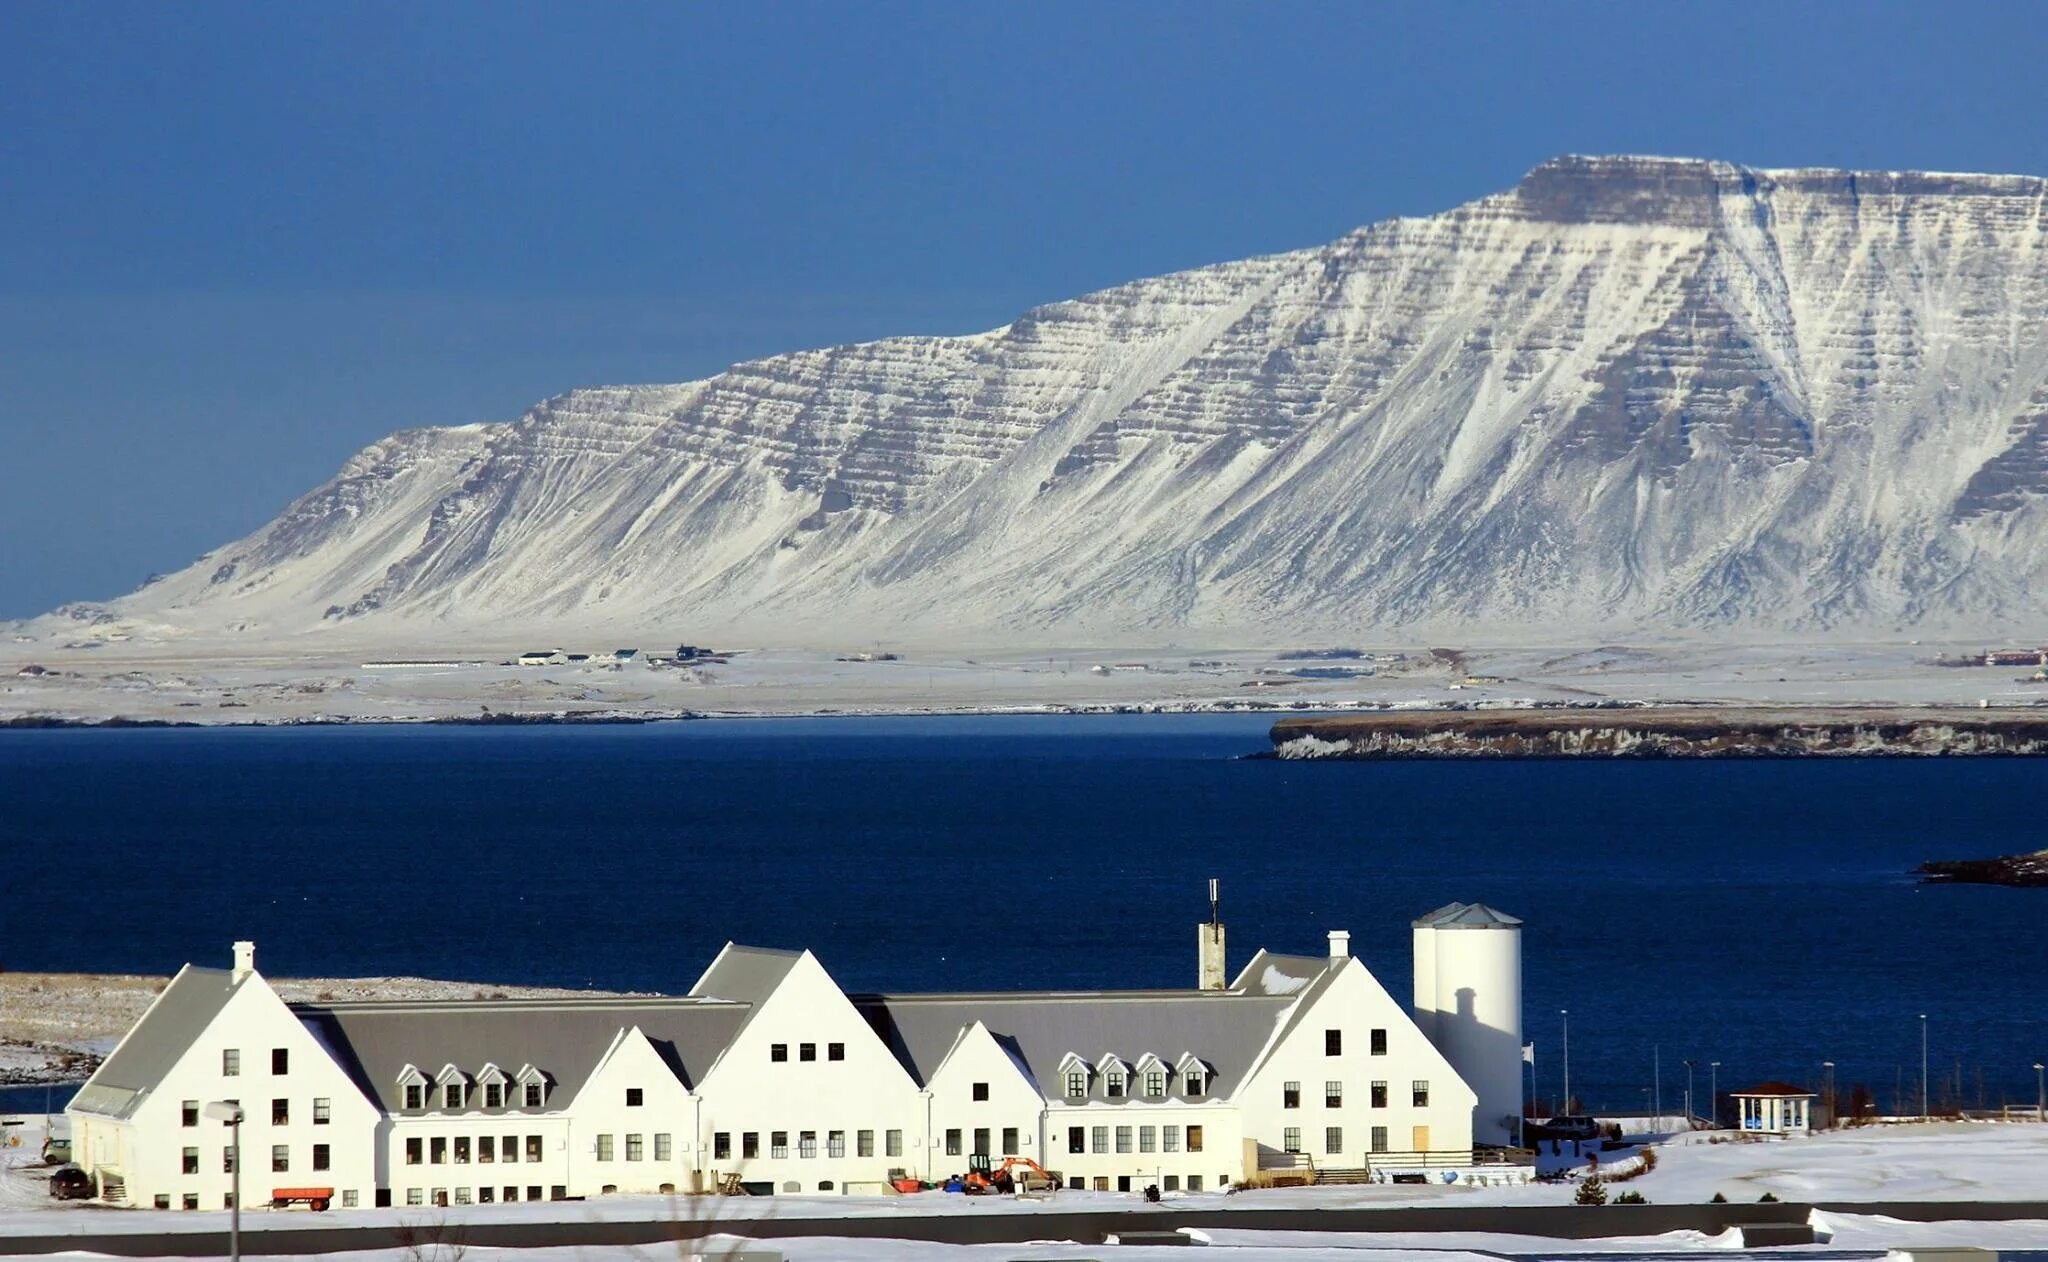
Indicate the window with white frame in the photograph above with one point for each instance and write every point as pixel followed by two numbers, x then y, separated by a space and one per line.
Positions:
pixel 1077 1083
pixel 864 1143
pixel 451 1096
pixel 892 1143
pixel 1155 1083
pixel 1290 1095
pixel 536 1092
pixel 1379 1139
pixel 664 1146
pixel 1113 1084
pixel 778 1145
pixel 1123 1139
pixel 635 1147
pixel 835 1143
pixel 1379 1094
pixel 1098 1139
pixel 604 1147
pixel 415 1097
pixel 1333 1094
pixel 1419 1093
pixel 1333 1140
pixel 323 1110
pixel 1290 1139
pixel 1169 1138
pixel 231 1062
pixel 1148 1139
pixel 807 1143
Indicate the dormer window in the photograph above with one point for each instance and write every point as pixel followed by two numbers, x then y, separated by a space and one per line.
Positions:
pixel 1077 1083
pixel 536 1093
pixel 415 1096
pixel 1192 1084
pixel 414 1084
pixel 452 1096
pixel 533 1087
pixel 494 1095
pixel 1155 1083
pixel 1113 1084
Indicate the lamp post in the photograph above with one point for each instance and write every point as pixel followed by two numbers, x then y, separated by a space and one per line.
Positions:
pixel 1828 1072
pixel 2040 1095
pixel 1565 1014
pixel 230 1112
pixel 1689 1110
pixel 1714 1093
pixel 1923 1066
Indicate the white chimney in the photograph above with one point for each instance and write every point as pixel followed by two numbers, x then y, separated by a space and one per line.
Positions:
pixel 1340 944
pixel 245 960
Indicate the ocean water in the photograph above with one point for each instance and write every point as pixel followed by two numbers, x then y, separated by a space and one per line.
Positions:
pixel 1755 913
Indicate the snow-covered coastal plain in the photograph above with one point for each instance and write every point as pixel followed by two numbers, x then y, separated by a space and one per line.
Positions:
pixel 392 683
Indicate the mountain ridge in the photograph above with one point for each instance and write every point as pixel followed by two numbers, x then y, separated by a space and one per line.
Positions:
pixel 1651 395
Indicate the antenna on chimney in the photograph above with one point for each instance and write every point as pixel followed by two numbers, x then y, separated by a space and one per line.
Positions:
pixel 1214 900
pixel 1210 964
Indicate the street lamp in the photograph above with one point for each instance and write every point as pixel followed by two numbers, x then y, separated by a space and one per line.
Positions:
pixel 1566 1015
pixel 230 1112
pixel 1714 1093
pixel 1689 1111
pixel 1923 1067
pixel 1828 1072
pixel 2040 1095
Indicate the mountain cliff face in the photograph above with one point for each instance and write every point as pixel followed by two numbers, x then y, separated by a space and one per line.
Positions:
pixel 1633 393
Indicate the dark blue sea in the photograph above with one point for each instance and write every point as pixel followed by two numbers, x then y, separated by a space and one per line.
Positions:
pixel 1755 913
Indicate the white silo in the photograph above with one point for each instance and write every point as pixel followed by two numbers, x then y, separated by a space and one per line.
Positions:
pixel 1474 1007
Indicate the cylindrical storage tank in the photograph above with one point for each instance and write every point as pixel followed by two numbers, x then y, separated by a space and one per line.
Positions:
pixel 1424 1006
pixel 1478 1006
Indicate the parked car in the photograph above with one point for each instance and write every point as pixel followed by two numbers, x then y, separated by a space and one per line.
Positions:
pixel 1569 1126
pixel 69 1183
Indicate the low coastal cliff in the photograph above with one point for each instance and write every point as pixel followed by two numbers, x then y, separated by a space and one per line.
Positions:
pixel 1665 732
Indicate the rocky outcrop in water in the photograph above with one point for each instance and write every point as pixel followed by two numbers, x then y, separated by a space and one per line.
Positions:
pixel 1630 392
pixel 2012 869
pixel 1654 732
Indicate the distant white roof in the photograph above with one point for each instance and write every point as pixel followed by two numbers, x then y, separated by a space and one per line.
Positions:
pixel 1467 916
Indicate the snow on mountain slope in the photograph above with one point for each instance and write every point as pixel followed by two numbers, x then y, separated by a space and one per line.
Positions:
pixel 1642 393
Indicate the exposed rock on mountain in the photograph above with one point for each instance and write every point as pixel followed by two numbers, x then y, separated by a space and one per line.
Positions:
pixel 1631 393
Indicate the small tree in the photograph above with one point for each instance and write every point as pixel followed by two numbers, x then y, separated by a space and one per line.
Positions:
pixel 1631 1197
pixel 1718 1199
pixel 1591 1192
pixel 1767 1198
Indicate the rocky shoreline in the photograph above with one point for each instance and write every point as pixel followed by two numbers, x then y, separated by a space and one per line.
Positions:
pixel 1667 732
pixel 2019 870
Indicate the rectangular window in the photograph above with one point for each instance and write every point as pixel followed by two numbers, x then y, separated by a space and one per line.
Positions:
pixel 892 1143
pixel 636 1147
pixel 1123 1139
pixel 604 1147
pixel 280 1060
pixel 437 1150
pixel 415 1096
pixel 486 1148
pixel 1077 1083
pixel 1379 1139
pixel 188 1113
pixel 280 1112
pixel 535 1093
pixel 807 1144
pixel 664 1146
pixel 557 1192
pixel 1155 1083
pixel 462 1196
pixel 1290 1095
pixel 835 1051
pixel 750 1145
pixel 1098 1139
pixel 453 1096
pixel 981 1140
pixel 163 1200
pixel 1290 1139
pixel 486 1195
pixel 415 1196
pixel 323 1110
pixel 511 1192
pixel 721 1146
pixel 462 1150
pixel 510 1147
pixel 494 1095
pixel 1333 1042
pixel 413 1147
pixel 1009 1141
pixel 280 1158
pixel 319 1156
pixel 1077 1139
pixel 635 1096
pixel 1148 1139
pixel 231 1063
pixel 835 1143
pixel 778 1145
pixel 1333 1095
pixel 1420 1093
pixel 807 1051
pixel 1113 1085
pixel 1379 1042
pixel 1194 1183
pixel 1194 1139
pixel 863 1143
pixel 348 1198
pixel 953 1142
pixel 191 1200
pixel 778 1052
pixel 1379 1094
pixel 533 1148
pixel 191 1161
pixel 980 1092
pixel 1169 1138
pixel 1333 1140
pixel 1171 1183
pixel 1192 1085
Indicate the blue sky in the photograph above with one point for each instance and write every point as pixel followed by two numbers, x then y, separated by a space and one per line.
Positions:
pixel 238 242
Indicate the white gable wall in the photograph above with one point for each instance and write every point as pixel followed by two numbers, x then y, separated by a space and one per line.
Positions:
pixel 1013 1104
pixel 600 1118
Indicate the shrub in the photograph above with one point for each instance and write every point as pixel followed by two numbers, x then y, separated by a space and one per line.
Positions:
pixel 1767 1199
pixel 1591 1192
pixel 1630 1197
pixel 1718 1199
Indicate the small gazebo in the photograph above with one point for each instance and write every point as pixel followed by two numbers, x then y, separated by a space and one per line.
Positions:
pixel 1775 1108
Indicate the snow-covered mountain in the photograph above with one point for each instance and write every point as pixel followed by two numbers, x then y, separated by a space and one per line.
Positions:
pixel 1640 393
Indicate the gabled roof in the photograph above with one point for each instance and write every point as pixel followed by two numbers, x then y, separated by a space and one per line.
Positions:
pixel 1467 916
pixel 174 1021
pixel 562 1038
pixel 1779 1089
pixel 745 974
pixel 1227 1030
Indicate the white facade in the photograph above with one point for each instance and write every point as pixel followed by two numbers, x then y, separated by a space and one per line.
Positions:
pixel 769 1074
pixel 1774 1110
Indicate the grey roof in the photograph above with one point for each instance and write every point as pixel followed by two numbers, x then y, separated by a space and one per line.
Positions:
pixel 167 1030
pixel 745 974
pixel 1467 916
pixel 1226 1029
pixel 563 1038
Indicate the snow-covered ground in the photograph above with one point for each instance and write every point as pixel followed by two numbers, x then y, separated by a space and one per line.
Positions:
pixel 221 684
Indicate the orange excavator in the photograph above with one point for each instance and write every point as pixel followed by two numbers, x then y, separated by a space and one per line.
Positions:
pixel 1016 1174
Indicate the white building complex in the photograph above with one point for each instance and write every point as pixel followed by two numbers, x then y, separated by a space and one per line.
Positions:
pixel 767 1074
